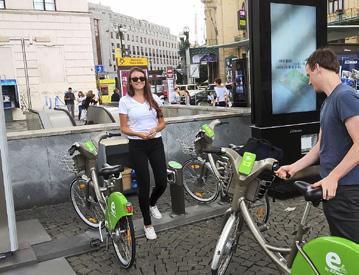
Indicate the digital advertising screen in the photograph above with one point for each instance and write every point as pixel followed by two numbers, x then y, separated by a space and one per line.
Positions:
pixel 291 44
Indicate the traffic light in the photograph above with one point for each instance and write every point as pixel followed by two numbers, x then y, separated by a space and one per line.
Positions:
pixel 242 20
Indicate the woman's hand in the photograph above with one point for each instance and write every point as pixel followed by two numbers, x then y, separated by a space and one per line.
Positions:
pixel 143 135
pixel 152 133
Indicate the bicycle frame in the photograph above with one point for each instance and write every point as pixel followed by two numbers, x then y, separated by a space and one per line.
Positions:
pixel 119 206
pixel 239 205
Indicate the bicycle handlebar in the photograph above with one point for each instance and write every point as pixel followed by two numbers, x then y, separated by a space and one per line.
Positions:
pixel 214 150
pixel 108 135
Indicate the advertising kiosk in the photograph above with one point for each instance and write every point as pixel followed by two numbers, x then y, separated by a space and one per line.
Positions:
pixel 285 109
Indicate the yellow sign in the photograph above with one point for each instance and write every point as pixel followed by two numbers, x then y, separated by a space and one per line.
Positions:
pixel 132 61
pixel 106 87
pixel 118 53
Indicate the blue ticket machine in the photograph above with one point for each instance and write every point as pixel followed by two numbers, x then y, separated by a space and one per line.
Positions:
pixel 10 97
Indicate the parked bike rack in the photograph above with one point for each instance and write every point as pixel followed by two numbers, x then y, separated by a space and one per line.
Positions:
pixel 175 180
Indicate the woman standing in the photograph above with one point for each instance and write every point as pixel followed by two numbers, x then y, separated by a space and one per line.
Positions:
pixel 80 98
pixel 141 119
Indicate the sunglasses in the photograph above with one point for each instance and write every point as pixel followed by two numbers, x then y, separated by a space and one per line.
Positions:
pixel 141 78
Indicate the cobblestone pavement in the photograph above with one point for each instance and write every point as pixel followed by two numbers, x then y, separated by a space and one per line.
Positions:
pixel 184 250
pixel 61 220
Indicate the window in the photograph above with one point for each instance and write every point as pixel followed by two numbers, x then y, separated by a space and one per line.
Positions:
pixel 2 4
pixel 44 5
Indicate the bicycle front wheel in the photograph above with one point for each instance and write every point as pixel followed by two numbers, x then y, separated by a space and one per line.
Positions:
pixel 84 202
pixel 226 244
pixel 200 181
pixel 124 242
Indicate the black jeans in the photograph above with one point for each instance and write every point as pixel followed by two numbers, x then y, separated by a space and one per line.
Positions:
pixel 142 151
pixel 342 212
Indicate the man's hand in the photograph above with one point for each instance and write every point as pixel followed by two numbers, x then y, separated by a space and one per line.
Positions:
pixel 285 172
pixel 329 186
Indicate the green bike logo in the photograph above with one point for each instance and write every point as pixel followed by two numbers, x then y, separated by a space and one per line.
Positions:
pixel 334 264
pixel 113 208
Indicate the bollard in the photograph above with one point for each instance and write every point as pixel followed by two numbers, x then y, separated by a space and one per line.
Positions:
pixel 175 180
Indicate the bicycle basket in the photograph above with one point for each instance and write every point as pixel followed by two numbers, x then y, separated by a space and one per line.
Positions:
pixel 202 142
pixel 79 162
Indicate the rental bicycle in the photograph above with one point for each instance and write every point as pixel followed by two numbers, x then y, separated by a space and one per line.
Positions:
pixel 322 255
pixel 97 204
pixel 208 175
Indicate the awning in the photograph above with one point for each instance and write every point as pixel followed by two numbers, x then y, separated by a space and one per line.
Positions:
pixel 196 59
pixel 237 44
pixel 208 57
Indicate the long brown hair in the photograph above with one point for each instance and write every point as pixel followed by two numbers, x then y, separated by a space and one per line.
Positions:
pixel 147 91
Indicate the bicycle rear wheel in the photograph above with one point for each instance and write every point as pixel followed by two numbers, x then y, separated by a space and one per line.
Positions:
pixel 226 244
pixel 200 181
pixel 124 242
pixel 84 203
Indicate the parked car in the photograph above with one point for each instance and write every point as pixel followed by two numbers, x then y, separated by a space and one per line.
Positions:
pixel 200 98
pixel 191 88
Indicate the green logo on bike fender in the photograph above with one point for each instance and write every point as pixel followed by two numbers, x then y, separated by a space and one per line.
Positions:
pixel 330 255
pixel 116 209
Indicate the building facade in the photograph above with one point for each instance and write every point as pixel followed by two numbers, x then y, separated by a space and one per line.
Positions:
pixel 344 12
pixel 222 28
pixel 46 46
pixel 136 38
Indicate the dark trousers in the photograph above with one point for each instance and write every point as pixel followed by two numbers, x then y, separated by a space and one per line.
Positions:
pixel 80 111
pixel 342 213
pixel 142 152
pixel 221 104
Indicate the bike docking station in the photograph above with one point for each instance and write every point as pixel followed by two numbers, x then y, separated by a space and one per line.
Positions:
pixel 285 108
pixel 175 180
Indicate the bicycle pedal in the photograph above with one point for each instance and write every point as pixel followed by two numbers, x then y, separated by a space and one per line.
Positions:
pixel 95 243
pixel 263 227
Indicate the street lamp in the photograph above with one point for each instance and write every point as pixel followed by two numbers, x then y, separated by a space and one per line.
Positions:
pixel 183 48
pixel 120 31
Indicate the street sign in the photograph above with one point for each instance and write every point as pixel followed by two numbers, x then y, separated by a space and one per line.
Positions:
pixel 99 69
pixel 132 61
pixel 194 70
pixel 169 72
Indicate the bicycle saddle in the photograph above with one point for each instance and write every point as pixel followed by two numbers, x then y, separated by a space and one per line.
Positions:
pixel 108 170
pixel 314 195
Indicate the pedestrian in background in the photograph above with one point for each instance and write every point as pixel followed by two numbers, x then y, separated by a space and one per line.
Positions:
pixel 337 148
pixel 80 99
pixel 177 97
pixel 69 99
pixel 141 119
pixel 89 100
pixel 221 93
pixel 187 98
pixel 115 96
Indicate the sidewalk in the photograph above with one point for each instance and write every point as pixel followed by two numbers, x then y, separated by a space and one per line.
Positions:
pixel 183 250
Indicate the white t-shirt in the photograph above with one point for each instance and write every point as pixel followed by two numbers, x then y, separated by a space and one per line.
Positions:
pixel 221 93
pixel 140 117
